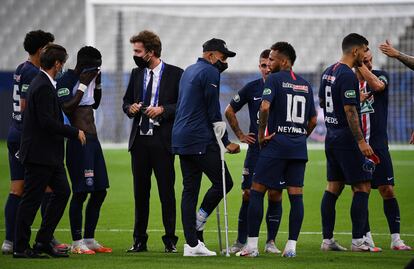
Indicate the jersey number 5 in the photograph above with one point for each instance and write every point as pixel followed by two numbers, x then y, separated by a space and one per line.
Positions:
pixel 293 114
pixel 16 99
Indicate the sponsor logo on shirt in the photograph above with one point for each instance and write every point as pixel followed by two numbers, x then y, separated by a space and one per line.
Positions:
pixel 383 79
pixel 257 98
pixel 295 87
pixel 350 94
pixel 88 173
pixel 63 92
pixel 367 106
pixel 267 91
pixel 25 87
pixel 328 78
pixel 236 98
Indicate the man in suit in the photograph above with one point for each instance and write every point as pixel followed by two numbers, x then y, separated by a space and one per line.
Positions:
pixel 150 100
pixel 41 153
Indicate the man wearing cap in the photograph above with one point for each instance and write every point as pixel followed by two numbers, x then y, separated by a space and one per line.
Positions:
pixel 193 139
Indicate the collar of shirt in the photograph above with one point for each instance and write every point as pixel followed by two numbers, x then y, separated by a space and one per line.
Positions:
pixel 50 78
pixel 156 70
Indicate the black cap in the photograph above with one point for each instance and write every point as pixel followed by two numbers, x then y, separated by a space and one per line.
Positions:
pixel 216 44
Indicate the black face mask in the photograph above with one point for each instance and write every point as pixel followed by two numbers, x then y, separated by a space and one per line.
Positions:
pixel 140 62
pixel 221 66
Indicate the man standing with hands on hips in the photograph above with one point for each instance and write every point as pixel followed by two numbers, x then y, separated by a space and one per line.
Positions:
pixel 150 100
pixel 198 109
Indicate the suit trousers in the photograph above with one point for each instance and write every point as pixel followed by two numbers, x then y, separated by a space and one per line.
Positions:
pixel 193 167
pixel 36 179
pixel 150 154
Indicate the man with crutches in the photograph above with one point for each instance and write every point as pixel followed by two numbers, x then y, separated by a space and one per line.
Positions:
pixel 194 140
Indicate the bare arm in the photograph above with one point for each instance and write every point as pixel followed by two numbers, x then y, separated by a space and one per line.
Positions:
pixel 392 52
pixel 353 122
pixel 372 80
pixel 311 125
pixel 234 124
pixel 263 118
pixel 70 106
pixel 406 60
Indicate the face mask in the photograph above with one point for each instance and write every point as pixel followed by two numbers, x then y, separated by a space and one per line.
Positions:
pixel 140 62
pixel 59 74
pixel 220 66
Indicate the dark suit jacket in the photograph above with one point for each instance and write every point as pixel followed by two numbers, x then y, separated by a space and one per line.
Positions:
pixel 43 133
pixel 168 95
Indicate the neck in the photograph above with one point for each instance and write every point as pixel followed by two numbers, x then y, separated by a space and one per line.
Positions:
pixel 154 63
pixel 286 68
pixel 347 60
pixel 52 72
pixel 34 60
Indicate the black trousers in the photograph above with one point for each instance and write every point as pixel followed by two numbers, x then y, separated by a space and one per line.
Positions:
pixel 149 154
pixel 36 179
pixel 192 167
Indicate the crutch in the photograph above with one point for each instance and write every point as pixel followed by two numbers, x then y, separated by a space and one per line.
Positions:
pixel 219 130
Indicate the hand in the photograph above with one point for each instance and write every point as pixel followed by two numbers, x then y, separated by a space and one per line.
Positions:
pixel 363 96
pixel 134 108
pixel 248 139
pixel 154 111
pixel 87 77
pixel 412 138
pixel 265 139
pixel 388 49
pixel 82 137
pixel 365 148
pixel 233 148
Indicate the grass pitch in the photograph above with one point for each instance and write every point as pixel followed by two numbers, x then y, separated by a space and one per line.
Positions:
pixel 117 217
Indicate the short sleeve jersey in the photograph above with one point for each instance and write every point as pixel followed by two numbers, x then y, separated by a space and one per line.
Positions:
pixel 339 87
pixel 291 108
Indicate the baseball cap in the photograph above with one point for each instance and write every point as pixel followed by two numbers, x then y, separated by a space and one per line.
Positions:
pixel 216 44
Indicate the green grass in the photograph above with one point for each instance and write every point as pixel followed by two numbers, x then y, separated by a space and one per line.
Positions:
pixel 117 213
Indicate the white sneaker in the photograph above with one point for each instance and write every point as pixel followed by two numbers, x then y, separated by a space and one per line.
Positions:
pixel 199 250
pixel 363 246
pixel 94 245
pixel 331 245
pixel 236 247
pixel 248 252
pixel 270 247
pixel 79 247
pixel 7 247
pixel 399 245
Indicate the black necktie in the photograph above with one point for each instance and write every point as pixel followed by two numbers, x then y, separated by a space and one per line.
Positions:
pixel 147 101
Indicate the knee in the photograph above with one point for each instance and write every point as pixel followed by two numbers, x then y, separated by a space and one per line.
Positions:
pixel 79 197
pixel 386 191
pixel 362 187
pixel 246 195
pixel 17 187
pixel 335 187
pixel 98 195
pixel 229 184
pixel 274 195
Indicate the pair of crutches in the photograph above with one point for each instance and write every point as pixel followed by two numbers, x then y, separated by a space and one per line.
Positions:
pixel 219 130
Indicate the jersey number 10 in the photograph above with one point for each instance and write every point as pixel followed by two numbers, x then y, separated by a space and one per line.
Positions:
pixel 293 114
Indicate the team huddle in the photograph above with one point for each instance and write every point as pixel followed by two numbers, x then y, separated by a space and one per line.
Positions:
pixel 177 112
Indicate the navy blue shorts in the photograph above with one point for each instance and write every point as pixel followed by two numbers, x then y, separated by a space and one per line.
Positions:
pixel 384 173
pixel 249 164
pixel 278 173
pixel 13 146
pixel 346 166
pixel 86 165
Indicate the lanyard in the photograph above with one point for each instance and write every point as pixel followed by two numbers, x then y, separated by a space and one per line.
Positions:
pixel 155 101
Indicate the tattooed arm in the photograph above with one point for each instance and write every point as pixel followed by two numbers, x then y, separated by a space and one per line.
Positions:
pixel 234 124
pixel 353 122
pixel 263 117
pixel 392 52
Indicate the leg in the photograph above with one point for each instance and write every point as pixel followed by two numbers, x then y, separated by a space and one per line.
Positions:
pixel 92 211
pixel 45 201
pixel 274 214
pixel 141 170
pixel 36 180
pixel 359 210
pixel 75 214
pixel 332 192
pixel 61 192
pixel 12 204
pixel 191 188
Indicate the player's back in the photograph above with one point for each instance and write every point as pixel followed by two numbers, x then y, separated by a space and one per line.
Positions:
pixel 292 106
pixel 339 87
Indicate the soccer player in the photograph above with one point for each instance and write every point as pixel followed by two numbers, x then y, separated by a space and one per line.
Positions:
pixel 251 94
pixel 345 147
pixel 407 60
pixel 288 113
pixel 33 43
pixel 193 139
pixel 79 92
pixel 373 86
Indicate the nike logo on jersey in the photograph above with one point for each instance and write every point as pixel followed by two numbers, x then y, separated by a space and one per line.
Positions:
pixel 390 178
pixel 282 182
pixel 257 98
pixel 214 85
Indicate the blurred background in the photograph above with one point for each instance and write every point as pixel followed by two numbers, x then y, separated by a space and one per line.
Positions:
pixel 315 28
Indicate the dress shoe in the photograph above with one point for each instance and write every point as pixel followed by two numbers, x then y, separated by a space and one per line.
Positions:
pixel 138 247
pixel 28 254
pixel 170 248
pixel 50 250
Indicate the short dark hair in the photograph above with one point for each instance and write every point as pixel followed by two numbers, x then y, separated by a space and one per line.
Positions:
pixel 150 40
pixel 88 56
pixel 35 40
pixel 353 40
pixel 50 54
pixel 286 49
pixel 265 54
